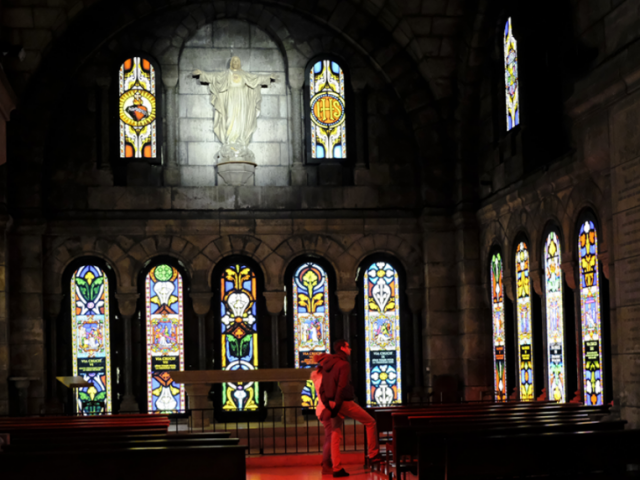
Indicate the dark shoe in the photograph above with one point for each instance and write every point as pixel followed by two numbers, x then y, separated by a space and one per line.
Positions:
pixel 340 473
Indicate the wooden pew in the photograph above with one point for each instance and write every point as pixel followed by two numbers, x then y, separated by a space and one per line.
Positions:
pixel 404 437
pixel 194 462
pixel 582 454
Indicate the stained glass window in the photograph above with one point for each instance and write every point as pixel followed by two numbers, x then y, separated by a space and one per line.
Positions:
pixel 497 306
pixel 137 109
pixel 310 321
pixel 91 339
pixel 238 313
pixel 525 338
pixel 382 335
pixel 590 313
pixel 555 317
pixel 511 77
pixel 165 339
pixel 327 101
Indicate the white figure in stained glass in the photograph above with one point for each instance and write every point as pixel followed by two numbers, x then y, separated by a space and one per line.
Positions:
pixel 236 97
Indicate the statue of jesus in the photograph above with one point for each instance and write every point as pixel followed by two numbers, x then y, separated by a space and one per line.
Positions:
pixel 236 97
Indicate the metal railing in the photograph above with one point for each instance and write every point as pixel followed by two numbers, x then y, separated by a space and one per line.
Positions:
pixel 286 430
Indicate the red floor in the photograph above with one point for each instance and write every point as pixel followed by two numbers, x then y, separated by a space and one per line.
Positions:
pixel 311 473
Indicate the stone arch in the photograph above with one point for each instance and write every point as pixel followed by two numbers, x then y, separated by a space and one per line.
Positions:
pixel 408 255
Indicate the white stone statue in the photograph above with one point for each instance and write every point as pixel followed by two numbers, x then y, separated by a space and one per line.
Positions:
pixel 236 97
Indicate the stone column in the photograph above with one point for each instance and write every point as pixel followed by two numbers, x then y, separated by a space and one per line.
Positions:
pixel 274 302
pixel 201 306
pixel 416 304
pixel 26 324
pixel 171 170
pixel 52 307
pixel 5 222
pixel 128 303
pixel 296 85
pixel 346 304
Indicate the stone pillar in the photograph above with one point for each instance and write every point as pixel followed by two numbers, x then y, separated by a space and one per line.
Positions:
pixel 128 303
pixel 171 170
pixel 5 222
pixel 26 326
pixel 52 306
pixel 346 304
pixel 275 304
pixel 21 385
pixel 201 306
pixel 296 85
pixel 416 304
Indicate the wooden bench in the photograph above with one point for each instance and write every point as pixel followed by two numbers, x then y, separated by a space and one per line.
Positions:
pixel 408 423
pixel 478 455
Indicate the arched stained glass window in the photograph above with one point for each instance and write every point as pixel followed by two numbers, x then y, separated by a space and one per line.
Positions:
pixel 91 339
pixel 497 307
pixel 590 314
pixel 137 109
pixel 382 335
pixel 555 317
pixel 511 77
pixel 310 290
pixel 165 339
pixel 238 313
pixel 327 102
pixel 525 338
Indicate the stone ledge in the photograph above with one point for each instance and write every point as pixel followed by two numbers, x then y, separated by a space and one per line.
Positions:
pixel 250 198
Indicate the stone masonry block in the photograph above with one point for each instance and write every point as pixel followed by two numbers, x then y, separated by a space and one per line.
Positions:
pixel 195 106
pixel 272 176
pixel 198 176
pixel 230 33
pixel 202 38
pixel 266 60
pixel 18 18
pixel 269 130
pixel 203 153
pixel 267 154
pixel 197 130
pixel 270 106
pixel 187 85
pixel 205 59
pixel 260 39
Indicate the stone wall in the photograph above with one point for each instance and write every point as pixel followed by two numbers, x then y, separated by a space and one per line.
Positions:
pixel 209 50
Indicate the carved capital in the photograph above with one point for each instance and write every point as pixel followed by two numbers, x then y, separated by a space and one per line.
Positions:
pixel 170 76
pixel 507 284
pixel 201 302
pixel 604 258
pixel 415 297
pixel 346 300
pixel 296 78
pixel 569 268
pixel 128 303
pixel 274 301
pixel 536 277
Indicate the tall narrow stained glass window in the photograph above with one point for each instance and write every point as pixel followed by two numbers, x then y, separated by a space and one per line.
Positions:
pixel 512 93
pixel 497 308
pixel 165 339
pixel 91 339
pixel 310 292
pixel 555 318
pixel 137 109
pixel 238 313
pixel 590 314
pixel 327 102
pixel 525 338
pixel 382 335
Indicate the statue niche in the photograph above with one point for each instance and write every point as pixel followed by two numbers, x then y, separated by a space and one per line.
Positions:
pixel 236 97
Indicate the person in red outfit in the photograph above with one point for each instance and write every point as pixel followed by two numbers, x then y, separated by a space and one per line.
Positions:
pixel 324 415
pixel 337 394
